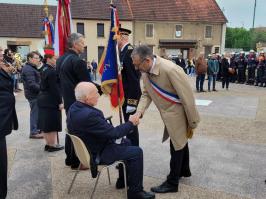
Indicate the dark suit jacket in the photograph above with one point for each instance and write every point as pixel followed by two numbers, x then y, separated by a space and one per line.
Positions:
pixel 8 116
pixel 50 95
pixel 73 71
pixel 130 77
pixel 180 62
pixel 89 124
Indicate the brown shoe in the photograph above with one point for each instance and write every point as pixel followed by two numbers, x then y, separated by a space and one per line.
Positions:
pixel 37 136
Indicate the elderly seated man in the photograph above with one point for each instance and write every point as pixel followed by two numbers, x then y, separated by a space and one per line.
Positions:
pixel 89 124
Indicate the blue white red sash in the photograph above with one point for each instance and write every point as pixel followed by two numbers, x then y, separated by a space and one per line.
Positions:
pixel 165 94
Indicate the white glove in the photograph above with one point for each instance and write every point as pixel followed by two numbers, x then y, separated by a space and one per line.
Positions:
pixel 130 109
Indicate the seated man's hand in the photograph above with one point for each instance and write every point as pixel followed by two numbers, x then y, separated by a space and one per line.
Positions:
pixel 134 120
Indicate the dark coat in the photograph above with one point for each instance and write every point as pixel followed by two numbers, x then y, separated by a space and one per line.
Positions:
pixel 8 115
pixel 130 77
pixel 180 62
pixel 31 81
pixel 50 95
pixel 225 68
pixel 71 71
pixel 89 124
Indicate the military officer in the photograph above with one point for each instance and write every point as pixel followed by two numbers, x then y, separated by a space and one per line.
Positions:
pixel 132 90
pixel 241 68
pixel 252 64
pixel 260 69
pixel 131 81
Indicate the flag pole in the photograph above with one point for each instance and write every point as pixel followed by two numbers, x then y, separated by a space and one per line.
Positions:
pixel 119 68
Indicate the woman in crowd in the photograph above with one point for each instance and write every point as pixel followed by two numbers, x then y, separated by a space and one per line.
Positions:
pixel 201 69
pixel 225 72
pixel 8 119
pixel 50 103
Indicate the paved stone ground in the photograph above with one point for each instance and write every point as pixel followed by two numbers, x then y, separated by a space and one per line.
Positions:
pixel 227 153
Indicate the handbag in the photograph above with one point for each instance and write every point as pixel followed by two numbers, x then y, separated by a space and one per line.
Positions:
pixel 231 70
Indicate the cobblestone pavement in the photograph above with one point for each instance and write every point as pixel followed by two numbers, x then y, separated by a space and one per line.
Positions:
pixel 227 153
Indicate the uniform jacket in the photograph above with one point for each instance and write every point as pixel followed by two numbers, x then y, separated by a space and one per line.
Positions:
pixel 130 78
pixel 73 71
pixel 8 116
pixel 241 62
pixel 89 124
pixel 31 81
pixel 49 96
pixel 176 117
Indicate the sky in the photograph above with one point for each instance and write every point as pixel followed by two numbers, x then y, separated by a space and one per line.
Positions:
pixel 239 13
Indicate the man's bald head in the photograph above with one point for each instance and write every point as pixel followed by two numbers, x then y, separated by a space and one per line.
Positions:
pixel 87 93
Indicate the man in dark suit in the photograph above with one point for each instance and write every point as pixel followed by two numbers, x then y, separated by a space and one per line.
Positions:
pixel 181 62
pixel 31 82
pixel 72 70
pixel 8 119
pixel 88 123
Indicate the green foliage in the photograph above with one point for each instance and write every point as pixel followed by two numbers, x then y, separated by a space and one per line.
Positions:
pixel 243 38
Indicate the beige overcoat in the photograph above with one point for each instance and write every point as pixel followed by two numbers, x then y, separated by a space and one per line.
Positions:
pixel 176 117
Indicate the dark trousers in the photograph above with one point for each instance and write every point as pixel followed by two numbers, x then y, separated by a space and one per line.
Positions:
pixel 71 158
pixel 133 158
pixel 3 168
pixel 134 136
pixel 199 82
pixel 251 74
pixel 179 164
pixel 241 76
pixel 259 76
pixel 34 111
pixel 225 81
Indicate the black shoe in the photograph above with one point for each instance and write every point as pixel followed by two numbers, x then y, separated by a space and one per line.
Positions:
pixel 202 91
pixel 141 195
pixel 214 89
pixel 46 147
pixel 120 183
pixel 55 148
pixel 165 188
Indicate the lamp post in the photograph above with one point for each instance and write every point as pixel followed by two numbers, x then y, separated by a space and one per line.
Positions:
pixel 254 13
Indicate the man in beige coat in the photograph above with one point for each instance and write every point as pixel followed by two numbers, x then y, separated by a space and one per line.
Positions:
pixel 167 86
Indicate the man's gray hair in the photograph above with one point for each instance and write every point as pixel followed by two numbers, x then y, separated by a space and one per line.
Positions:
pixel 73 38
pixel 143 51
pixel 80 93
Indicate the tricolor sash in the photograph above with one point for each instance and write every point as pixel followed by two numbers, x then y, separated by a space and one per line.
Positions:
pixel 165 94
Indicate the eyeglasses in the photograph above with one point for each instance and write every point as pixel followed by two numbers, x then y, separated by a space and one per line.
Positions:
pixel 138 65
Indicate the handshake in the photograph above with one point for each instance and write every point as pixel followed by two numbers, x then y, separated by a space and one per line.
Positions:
pixel 135 118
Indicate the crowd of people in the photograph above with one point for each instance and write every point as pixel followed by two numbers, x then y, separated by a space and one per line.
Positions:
pixel 238 68
pixel 53 84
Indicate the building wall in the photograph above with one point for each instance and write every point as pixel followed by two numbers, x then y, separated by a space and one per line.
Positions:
pixel 90 32
pixel 191 31
pixel 32 43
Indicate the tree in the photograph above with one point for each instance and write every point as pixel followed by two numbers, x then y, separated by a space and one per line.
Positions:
pixel 237 38
pixel 243 38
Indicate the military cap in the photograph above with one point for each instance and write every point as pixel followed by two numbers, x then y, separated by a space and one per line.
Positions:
pixel 124 31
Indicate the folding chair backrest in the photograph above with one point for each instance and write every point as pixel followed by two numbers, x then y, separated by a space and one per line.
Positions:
pixel 81 150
